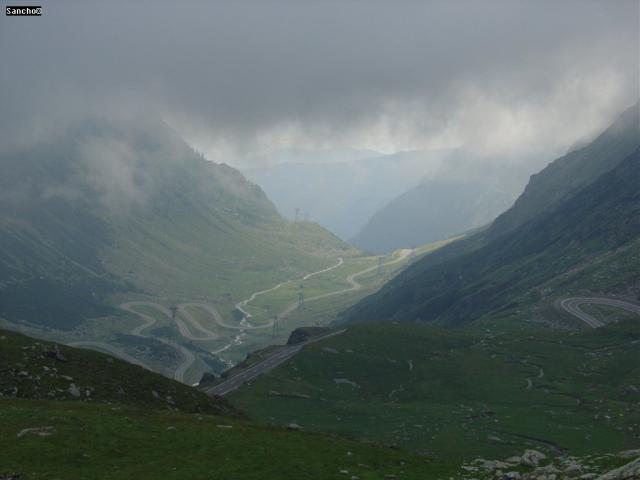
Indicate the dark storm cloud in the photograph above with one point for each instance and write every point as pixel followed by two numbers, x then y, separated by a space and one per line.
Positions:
pixel 500 76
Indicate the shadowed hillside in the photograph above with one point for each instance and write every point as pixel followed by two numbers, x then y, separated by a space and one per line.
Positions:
pixel 555 228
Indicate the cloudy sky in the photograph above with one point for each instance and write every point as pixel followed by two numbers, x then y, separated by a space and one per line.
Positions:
pixel 506 79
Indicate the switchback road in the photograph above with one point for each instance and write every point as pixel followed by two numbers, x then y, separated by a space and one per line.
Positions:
pixel 188 326
pixel 188 358
pixel 572 306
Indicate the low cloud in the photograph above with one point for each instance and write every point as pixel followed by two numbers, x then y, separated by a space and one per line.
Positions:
pixel 108 167
pixel 518 81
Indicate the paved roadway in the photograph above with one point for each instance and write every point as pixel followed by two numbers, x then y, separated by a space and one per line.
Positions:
pixel 351 280
pixel 572 306
pixel 281 356
pixel 187 356
pixel 204 334
pixel 246 325
pixel 244 303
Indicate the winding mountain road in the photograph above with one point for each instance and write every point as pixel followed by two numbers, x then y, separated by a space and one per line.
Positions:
pixel 188 358
pixel 244 303
pixel 245 325
pixel 290 350
pixel 193 330
pixel 210 309
pixel 572 306
pixel 285 353
pixel 351 280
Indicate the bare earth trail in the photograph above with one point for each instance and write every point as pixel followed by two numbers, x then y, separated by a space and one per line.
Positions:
pixel 572 306
pixel 530 379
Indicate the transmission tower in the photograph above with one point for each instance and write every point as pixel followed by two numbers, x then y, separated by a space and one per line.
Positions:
pixel 276 327
pixel 380 266
pixel 297 214
pixel 301 297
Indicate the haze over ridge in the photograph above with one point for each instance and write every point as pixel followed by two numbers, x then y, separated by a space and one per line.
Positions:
pixel 518 82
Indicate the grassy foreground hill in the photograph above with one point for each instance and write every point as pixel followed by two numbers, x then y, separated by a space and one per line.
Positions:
pixel 80 441
pixel 443 397
pixel 460 394
pixel 83 414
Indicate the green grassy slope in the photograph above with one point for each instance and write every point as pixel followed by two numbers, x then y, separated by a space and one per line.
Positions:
pixel 329 293
pixel 31 369
pixel 103 442
pixel 460 394
pixel 496 268
pixel 123 206
pixel 83 414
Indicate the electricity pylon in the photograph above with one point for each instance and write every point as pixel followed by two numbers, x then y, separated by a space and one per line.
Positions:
pixel 301 297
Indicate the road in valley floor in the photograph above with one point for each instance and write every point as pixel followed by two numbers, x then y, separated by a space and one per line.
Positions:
pixel 192 329
pixel 288 351
pixel 351 280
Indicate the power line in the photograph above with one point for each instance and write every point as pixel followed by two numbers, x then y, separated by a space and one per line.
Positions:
pixel 380 266
pixel 301 297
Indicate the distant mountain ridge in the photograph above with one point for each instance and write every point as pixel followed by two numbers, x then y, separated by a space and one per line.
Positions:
pixel 342 196
pixel 436 208
pixel 577 215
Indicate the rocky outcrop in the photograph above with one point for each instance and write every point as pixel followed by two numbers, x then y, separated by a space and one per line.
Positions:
pixel 534 465
pixel 627 472
pixel 532 458
pixel 208 379
pixel 302 334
